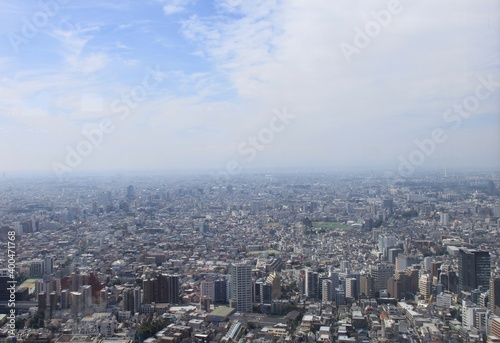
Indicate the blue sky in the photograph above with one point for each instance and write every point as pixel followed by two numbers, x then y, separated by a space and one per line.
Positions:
pixel 219 70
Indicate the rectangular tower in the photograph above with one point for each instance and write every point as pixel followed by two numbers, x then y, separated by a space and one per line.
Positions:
pixel 241 287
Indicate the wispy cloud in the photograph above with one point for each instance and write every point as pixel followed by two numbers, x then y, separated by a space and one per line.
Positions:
pixel 175 6
pixel 73 45
pixel 231 62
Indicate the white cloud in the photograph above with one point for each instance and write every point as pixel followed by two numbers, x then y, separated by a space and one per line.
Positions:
pixel 260 55
pixel 74 42
pixel 175 6
pixel 422 63
pixel 90 63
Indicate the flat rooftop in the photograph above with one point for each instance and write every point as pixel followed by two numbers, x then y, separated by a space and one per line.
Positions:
pixel 222 311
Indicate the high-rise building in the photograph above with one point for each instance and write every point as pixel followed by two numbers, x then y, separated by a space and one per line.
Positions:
pixel 76 302
pixel 208 289
pixel 367 286
pixel 204 227
pixel 256 290
pixel 241 287
pixel 65 299
pixel 43 287
pixel 344 265
pixel 215 290
pixel 436 269
pixel 4 291
pixel 86 299
pixel 266 293
pixel 37 268
pixel 340 295
pixel 137 299
pixel 256 206
pixel 413 281
pixel 426 264
pixel 444 300
pixel 103 299
pixel 444 219
pixel 163 289
pixel 425 286
pixel 311 283
pixel 130 192
pixel 351 289
pixel 473 316
pixel 388 204
pixel 320 285
pixel 334 276
pixel 468 314
pixel 392 253
pixel 385 242
pixel 173 295
pixel 42 300
pixel 220 291
pixel 448 278
pixel 495 326
pixel 494 295
pixel 77 280
pixel 399 285
pixel 49 265
pixel 52 303
pixel 381 273
pixel 474 269
pixel 404 261
pixel 161 294
pixel 327 290
pixel 275 280
pixel 149 287
pixel 205 303
pixel 128 300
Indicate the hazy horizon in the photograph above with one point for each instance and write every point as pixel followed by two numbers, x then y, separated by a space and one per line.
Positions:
pixel 236 86
pixel 223 177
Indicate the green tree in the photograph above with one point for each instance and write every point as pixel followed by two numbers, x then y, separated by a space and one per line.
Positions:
pixel 307 223
pixel 149 328
pixel 37 321
pixel 19 323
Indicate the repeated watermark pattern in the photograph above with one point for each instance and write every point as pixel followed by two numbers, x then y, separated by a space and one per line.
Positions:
pixel 94 138
pixel 249 148
pixel 372 29
pixel 30 27
pixel 456 114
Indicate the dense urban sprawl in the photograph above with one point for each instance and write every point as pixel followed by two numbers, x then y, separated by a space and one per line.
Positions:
pixel 341 257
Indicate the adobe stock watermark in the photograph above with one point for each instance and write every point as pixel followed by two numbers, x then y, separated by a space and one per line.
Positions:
pixel 11 282
pixel 252 145
pixel 94 138
pixel 30 27
pixel 364 36
pixel 457 113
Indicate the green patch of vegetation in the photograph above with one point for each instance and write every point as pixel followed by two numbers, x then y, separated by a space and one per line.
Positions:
pixel 307 223
pixel 37 321
pixel 330 225
pixel 149 328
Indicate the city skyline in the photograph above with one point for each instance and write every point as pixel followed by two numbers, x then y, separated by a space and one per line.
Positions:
pixel 268 256
pixel 234 86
